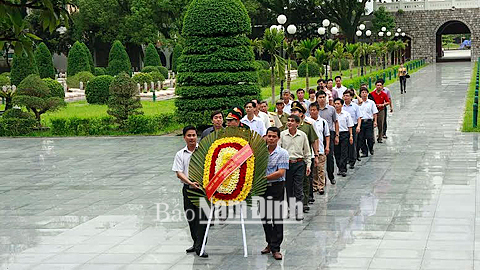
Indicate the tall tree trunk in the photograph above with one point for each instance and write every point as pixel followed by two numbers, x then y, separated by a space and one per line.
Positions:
pixel 370 62
pixel 288 75
pixel 359 66
pixel 306 78
pixel 272 82
pixel 351 68
pixel 340 66
pixel 8 103
pixel 331 69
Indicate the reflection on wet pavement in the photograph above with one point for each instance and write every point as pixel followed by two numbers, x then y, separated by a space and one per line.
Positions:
pixel 91 203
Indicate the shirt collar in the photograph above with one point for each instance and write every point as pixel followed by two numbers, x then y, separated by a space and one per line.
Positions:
pixel 185 149
pixel 275 151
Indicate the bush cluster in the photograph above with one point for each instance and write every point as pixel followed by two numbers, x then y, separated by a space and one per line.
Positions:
pixel 118 60
pixel 163 70
pixel 44 61
pixel 78 59
pixel 313 69
pixel 99 71
pixel 56 88
pixel 4 80
pixel 293 64
pixel 142 78
pixel 15 122
pixel 345 64
pixel 264 78
pixel 97 91
pixel 84 76
pixel 151 56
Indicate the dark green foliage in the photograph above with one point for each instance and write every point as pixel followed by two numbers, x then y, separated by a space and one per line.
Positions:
pixel 157 76
pixel 118 60
pixel 143 124
pixel 78 60
pixel 34 94
pixel 293 64
pixel 4 80
pixel 99 71
pixel 164 71
pixel 84 76
pixel 264 78
pixel 56 88
pixel 313 69
pixel 124 100
pixel 148 69
pixel 44 61
pixel 177 52
pixel 344 62
pixel 264 64
pixel 151 56
pixel 18 113
pixel 217 69
pixel 142 78
pixel 87 52
pixel 97 91
pixel 15 122
pixel 22 66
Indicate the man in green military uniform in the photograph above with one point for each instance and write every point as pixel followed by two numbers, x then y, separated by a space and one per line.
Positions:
pixel 283 116
pixel 299 110
pixel 234 115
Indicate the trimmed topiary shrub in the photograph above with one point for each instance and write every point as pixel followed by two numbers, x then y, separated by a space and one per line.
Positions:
pixel 43 59
pixel 177 52
pixel 124 100
pixel 151 56
pixel 34 94
pixel 164 71
pixel 142 78
pixel 149 69
pixel 293 64
pixel 84 76
pixel 264 64
pixel 313 69
pixel 56 88
pixel 99 71
pixel 77 60
pixel 97 91
pixel 22 66
pixel 118 60
pixel 15 122
pixel 157 76
pixel 217 57
pixel 87 52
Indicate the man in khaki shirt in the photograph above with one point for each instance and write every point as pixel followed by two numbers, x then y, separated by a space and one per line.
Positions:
pixel 296 143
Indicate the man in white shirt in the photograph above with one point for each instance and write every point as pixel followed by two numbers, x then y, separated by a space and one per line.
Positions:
pixel 196 219
pixel 369 123
pixel 261 112
pixel 301 98
pixel 339 87
pixel 345 124
pixel 287 101
pixel 356 114
pixel 255 123
pixel 323 133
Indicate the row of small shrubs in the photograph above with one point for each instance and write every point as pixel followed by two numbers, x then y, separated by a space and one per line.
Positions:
pixel 135 124
pixel 15 122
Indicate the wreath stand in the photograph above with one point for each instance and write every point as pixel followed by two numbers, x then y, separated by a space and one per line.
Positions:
pixel 245 252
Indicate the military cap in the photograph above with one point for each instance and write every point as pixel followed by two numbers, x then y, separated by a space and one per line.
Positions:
pixel 280 101
pixel 235 113
pixel 296 105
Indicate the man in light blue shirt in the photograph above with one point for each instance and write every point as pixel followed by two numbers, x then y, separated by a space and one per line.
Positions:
pixel 278 163
pixel 255 123
pixel 354 111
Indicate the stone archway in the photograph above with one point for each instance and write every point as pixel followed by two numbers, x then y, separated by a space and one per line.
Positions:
pixel 456 26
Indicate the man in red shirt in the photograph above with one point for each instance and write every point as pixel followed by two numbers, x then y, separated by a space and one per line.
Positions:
pixel 381 100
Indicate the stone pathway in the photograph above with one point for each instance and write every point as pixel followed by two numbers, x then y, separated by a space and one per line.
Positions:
pixel 90 203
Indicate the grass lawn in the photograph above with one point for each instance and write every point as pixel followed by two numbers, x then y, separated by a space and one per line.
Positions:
pixel 468 116
pixel 84 110
pixel 2 106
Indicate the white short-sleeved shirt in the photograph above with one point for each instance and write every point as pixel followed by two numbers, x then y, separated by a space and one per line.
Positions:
pixel 340 90
pixel 321 128
pixel 288 107
pixel 354 111
pixel 265 118
pixel 256 124
pixel 344 121
pixel 368 109
pixel 182 161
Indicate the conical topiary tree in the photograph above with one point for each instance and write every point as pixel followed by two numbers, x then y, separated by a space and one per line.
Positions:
pixel 151 56
pixel 22 66
pixel 89 57
pixel 44 61
pixel 177 52
pixel 118 60
pixel 77 60
pixel 217 67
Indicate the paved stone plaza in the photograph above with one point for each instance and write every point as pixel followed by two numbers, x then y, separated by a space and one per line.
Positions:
pixel 90 203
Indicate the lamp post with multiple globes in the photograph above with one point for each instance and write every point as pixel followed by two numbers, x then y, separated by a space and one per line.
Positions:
pixel 359 34
pixel 324 31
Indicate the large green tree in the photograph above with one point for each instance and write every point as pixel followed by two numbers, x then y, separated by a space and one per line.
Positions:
pixel 43 58
pixel 118 60
pixel 383 18
pixel 217 68
pixel 77 60
pixel 22 66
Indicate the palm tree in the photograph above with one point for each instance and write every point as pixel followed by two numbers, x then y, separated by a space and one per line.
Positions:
pixel 339 54
pixel 304 50
pixel 369 50
pixel 329 47
pixel 390 49
pixel 257 46
pixel 378 48
pixel 359 53
pixel 351 49
pixel 322 60
pixel 271 43
pixel 401 47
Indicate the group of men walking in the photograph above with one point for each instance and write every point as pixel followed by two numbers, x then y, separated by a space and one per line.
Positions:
pixel 305 139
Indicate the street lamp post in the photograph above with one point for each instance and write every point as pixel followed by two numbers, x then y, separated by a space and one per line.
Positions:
pixel 325 31
pixel 359 33
pixel 281 19
pixel 291 29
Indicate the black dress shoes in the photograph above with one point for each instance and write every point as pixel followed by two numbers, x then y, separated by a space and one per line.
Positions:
pixel 344 174
pixel 321 191
pixel 204 255
pixel 190 249
pixel 332 181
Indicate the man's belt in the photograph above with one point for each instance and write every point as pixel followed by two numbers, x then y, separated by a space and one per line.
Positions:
pixel 295 160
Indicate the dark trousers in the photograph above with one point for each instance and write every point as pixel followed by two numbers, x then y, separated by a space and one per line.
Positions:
pixel 294 183
pixel 272 222
pixel 352 148
pixel 403 84
pixel 330 160
pixel 366 137
pixel 310 179
pixel 341 151
pixel 385 122
pixel 196 220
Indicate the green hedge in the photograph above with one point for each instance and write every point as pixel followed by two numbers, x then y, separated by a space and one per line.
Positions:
pixel 264 78
pixel 264 64
pixel 206 45
pixel 99 71
pixel 4 80
pixel 118 60
pixel 44 61
pixel 202 92
pixel 164 71
pixel 241 53
pixel 84 76
pixel 78 60
pixel 142 78
pixel 227 65
pixel 16 126
pixel 151 56
pixel 148 69
pixel 22 66
pixel 313 69
pixel 217 77
pixel 135 124
pixel 157 76
pixel 97 91
pixel 56 88
pixel 177 52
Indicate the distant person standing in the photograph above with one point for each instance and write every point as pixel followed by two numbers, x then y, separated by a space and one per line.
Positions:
pixel 345 124
pixel 254 122
pixel 389 95
pixel 217 121
pixel 287 101
pixel 323 133
pixel 260 113
pixel 339 88
pixel 356 115
pixel 302 100
pixel 366 138
pixel 402 73
pixel 381 100
pixel 281 115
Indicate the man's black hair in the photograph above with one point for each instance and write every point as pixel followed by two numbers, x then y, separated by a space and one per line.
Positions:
pixel 274 129
pixel 187 128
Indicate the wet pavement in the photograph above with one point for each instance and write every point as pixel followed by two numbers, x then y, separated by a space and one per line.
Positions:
pixel 91 203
